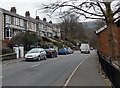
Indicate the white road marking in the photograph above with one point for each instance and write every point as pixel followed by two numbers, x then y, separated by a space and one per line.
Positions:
pixel 35 65
pixel 52 59
pixel 1 77
pixel 74 72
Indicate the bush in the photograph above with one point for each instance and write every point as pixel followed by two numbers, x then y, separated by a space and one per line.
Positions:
pixel 7 51
pixel 27 39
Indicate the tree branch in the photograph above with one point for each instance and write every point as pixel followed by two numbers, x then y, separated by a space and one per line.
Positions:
pixel 118 10
pixel 81 10
pixel 102 10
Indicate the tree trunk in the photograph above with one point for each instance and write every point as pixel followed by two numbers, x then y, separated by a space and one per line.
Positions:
pixel 113 51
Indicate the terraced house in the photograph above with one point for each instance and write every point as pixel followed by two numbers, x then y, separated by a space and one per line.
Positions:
pixel 11 24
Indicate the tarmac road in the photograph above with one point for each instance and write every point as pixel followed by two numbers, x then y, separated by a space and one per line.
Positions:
pixel 51 72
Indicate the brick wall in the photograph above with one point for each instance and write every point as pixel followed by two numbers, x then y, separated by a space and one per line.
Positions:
pixel 118 41
pixel 103 42
pixel 115 34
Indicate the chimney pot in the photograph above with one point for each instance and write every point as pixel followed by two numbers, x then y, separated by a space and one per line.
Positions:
pixel 44 19
pixel 37 18
pixel 27 14
pixel 13 9
pixel 50 22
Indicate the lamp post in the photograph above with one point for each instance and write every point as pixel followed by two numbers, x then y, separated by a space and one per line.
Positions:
pixel 37 24
pixel 36 11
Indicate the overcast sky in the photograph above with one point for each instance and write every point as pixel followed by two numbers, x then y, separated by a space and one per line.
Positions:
pixel 29 5
pixel 26 5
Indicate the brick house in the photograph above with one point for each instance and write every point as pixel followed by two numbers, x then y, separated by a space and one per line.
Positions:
pixel 102 36
pixel 12 23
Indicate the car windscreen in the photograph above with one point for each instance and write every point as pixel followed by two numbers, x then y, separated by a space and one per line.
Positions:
pixel 85 46
pixel 62 50
pixel 34 51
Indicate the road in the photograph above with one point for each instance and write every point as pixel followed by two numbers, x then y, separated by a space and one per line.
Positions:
pixel 50 72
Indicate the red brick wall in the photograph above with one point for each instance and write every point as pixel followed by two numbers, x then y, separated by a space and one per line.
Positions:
pixel 115 31
pixel 119 41
pixel 5 43
pixel 103 42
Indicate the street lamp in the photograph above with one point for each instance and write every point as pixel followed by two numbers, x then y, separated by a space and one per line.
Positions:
pixel 37 31
pixel 36 11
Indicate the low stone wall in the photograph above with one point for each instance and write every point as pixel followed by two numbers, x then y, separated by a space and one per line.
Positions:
pixel 8 56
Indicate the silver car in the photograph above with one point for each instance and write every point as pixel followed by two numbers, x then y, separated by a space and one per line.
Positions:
pixel 35 54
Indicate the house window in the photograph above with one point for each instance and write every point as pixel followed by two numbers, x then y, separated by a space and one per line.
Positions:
pixel 14 20
pixel 17 21
pixel 21 22
pixel 40 26
pixel 35 26
pixel 8 19
pixel 29 25
pixel 7 32
pixel 32 24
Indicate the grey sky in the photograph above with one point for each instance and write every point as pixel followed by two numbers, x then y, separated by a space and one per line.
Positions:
pixel 29 5
pixel 26 5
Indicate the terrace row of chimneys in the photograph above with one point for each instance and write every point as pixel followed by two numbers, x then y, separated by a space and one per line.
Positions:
pixel 27 14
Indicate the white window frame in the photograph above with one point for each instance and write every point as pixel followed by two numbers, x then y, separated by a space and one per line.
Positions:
pixel 8 19
pixel 9 33
pixel 22 22
pixel 17 21
pixel 14 20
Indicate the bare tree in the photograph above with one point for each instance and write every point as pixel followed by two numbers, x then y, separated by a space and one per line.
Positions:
pixel 92 9
pixel 72 29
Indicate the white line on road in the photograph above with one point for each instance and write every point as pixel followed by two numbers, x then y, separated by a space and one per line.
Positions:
pixel 52 59
pixel 74 72
pixel 1 77
pixel 35 65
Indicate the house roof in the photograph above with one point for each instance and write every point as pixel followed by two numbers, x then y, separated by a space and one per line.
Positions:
pixel 26 18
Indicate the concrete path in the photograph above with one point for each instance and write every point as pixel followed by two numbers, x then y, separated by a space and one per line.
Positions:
pixel 87 74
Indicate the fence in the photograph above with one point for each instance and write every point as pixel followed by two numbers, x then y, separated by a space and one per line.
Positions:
pixel 111 72
pixel 8 56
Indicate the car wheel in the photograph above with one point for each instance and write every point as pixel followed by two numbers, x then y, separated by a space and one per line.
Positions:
pixel 45 57
pixel 52 56
pixel 39 58
pixel 55 55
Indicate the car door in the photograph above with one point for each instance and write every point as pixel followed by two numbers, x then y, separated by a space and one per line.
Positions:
pixel 41 54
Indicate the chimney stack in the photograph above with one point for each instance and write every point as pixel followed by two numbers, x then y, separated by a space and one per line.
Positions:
pixel 50 22
pixel 27 14
pixel 13 9
pixel 44 19
pixel 37 18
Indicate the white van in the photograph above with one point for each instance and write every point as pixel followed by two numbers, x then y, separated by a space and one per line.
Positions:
pixel 84 48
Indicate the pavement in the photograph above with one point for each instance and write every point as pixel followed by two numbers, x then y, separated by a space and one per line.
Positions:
pixel 6 62
pixel 88 74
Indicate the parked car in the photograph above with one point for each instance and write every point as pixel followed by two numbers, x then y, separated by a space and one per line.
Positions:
pixel 69 50
pixel 84 48
pixel 51 52
pixel 35 54
pixel 91 48
pixel 62 51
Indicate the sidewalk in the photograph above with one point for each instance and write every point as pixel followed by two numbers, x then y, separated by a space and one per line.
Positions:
pixel 6 62
pixel 88 74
